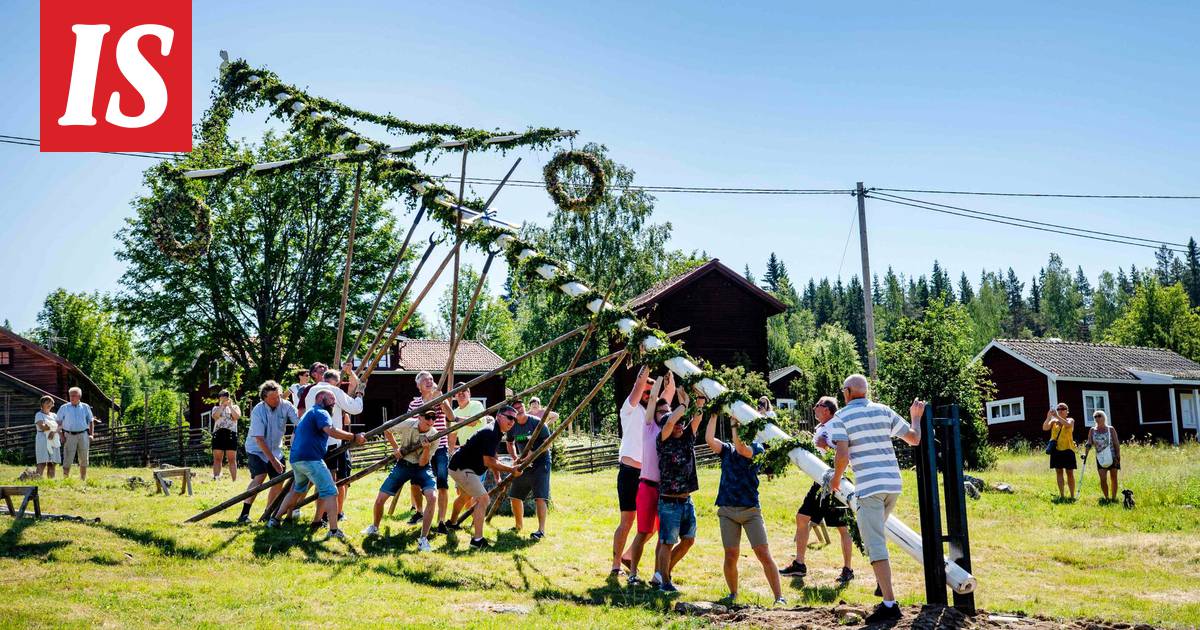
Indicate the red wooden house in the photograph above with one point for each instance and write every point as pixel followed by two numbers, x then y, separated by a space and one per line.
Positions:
pixel 1146 392
pixel 29 371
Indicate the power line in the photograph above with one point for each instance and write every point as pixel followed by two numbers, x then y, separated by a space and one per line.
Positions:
pixel 1156 243
pixel 528 183
pixel 34 142
pixel 930 208
pixel 1020 194
pixel 849 233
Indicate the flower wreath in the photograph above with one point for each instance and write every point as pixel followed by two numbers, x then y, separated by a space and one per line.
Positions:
pixel 161 232
pixel 559 194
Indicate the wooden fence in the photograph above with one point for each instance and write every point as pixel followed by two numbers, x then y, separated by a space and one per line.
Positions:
pixel 124 445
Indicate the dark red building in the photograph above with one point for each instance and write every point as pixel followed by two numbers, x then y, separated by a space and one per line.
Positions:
pixel 726 313
pixel 780 383
pixel 1146 392
pixel 29 371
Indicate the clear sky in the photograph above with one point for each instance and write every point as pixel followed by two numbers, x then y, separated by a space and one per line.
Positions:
pixel 1016 96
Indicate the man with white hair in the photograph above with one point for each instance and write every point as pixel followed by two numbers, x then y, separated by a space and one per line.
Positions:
pixel 79 426
pixel 862 433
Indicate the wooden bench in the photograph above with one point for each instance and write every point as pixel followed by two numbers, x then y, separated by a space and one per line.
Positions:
pixel 160 480
pixel 29 493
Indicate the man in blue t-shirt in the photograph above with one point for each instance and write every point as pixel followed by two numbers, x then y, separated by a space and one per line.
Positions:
pixel 738 508
pixel 308 462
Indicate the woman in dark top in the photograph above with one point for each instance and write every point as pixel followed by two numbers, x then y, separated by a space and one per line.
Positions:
pixel 677 481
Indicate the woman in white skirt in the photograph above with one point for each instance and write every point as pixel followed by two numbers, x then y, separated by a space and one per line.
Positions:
pixel 48 440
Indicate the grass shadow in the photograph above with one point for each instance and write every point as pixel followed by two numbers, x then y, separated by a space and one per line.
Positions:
pixel 9 547
pixel 386 542
pixel 824 594
pixel 612 593
pixel 166 545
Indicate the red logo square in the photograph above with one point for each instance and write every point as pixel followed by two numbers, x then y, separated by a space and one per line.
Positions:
pixel 116 76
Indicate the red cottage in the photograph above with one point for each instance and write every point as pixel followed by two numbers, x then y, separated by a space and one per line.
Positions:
pixel 1146 392
pixel 29 371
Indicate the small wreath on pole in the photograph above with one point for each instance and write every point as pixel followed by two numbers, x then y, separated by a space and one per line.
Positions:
pixel 174 201
pixel 559 194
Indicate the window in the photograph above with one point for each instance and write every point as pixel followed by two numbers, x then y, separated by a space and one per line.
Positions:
pixel 206 420
pixel 6 358
pixel 1191 410
pixel 214 373
pixel 785 403
pixel 1095 401
pixel 1007 410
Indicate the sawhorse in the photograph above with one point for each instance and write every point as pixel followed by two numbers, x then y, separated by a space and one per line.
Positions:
pixel 30 493
pixel 160 480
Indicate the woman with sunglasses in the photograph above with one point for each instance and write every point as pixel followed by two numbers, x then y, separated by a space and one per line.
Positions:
pixel 1062 454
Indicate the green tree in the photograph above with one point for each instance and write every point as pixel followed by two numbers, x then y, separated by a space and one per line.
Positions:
pixel 1159 317
pixel 83 329
pixel 1061 306
pixel 1192 274
pixel 824 361
pixel 930 358
pixel 492 324
pixel 266 294
pixel 1106 304
pixel 988 310
pixel 965 292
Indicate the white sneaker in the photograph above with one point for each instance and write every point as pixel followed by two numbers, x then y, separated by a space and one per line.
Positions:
pixel 656 580
pixel 338 534
pixel 370 530
pixel 423 545
pixel 295 515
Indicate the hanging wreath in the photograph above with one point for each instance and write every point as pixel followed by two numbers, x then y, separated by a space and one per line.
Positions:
pixel 177 201
pixel 555 187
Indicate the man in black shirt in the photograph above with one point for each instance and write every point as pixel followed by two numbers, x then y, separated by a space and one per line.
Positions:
pixel 472 459
pixel 677 481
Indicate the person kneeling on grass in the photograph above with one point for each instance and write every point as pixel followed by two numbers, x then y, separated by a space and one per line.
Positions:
pixel 412 467
pixel 308 463
pixel 738 508
pixel 819 507
pixel 677 482
pixel 472 459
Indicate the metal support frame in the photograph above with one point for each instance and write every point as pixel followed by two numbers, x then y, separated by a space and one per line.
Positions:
pixel 941 446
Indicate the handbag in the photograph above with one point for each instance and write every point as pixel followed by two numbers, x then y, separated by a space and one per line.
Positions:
pixel 1052 441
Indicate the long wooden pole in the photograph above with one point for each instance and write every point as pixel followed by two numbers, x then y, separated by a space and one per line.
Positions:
pixel 464 422
pixel 390 423
pixel 412 278
pixel 462 189
pixel 337 347
pixel 455 340
pixel 386 283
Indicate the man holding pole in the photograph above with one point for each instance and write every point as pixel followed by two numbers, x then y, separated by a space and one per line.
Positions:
pixel 476 456
pixel 862 433
pixel 677 481
pixel 264 442
pixel 412 467
pixel 536 480
pixel 344 406
pixel 446 445
pixel 633 418
pixel 308 462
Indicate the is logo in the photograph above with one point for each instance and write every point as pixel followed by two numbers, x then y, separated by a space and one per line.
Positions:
pixel 116 76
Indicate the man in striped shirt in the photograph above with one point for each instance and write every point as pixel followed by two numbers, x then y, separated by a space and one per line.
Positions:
pixel 446 446
pixel 862 433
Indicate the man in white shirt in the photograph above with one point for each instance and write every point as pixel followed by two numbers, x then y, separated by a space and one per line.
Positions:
pixel 633 417
pixel 78 425
pixel 344 406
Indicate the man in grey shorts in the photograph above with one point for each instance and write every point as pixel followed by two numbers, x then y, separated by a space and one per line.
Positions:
pixel 738 509
pixel 862 433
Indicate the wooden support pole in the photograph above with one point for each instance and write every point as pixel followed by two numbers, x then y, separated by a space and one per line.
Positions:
pixel 386 283
pixel 337 348
pixel 455 340
pixel 412 279
pixel 390 423
pixel 561 377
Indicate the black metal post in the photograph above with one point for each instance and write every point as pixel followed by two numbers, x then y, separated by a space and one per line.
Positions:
pixel 930 511
pixel 956 504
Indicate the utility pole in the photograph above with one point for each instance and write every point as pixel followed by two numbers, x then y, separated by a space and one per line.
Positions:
pixel 868 303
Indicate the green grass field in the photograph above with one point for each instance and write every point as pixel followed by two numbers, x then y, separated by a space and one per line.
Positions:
pixel 142 567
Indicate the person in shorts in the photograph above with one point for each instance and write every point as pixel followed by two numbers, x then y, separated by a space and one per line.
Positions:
pixel 225 417
pixel 738 509
pixel 633 418
pixel 821 508
pixel 862 433
pixel 646 499
pixel 676 444
pixel 428 390
pixel 472 459
pixel 1061 426
pixel 344 406
pixel 412 445
pixel 526 436
pixel 308 463
pixel 264 442
pixel 1104 440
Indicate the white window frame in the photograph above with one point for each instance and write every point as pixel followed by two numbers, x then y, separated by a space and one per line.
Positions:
pixel 1189 405
pixel 214 373
pixel 206 421
pixel 1088 420
pixel 785 403
pixel 1009 402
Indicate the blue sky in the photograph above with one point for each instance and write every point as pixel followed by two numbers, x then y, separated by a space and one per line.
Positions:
pixel 1018 96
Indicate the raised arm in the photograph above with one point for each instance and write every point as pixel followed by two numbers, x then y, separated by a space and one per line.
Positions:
pixel 1051 420
pixel 741 447
pixel 915 412
pixel 669 425
pixel 639 386
pixel 653 404
pixel 669 385
pixel 710 434
pixel 235 412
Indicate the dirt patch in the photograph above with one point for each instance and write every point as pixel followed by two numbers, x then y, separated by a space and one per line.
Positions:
pixel 915 618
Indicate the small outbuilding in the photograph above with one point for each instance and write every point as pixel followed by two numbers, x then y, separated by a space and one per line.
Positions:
pixel 29 371
pixel 780 383
pixel 1145 392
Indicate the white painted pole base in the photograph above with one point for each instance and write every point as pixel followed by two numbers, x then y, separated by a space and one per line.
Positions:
pixel 902 535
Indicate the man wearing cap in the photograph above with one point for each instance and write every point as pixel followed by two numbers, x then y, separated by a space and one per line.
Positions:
pixel 415 435
pixel 264 442
pixel 477 455
pixel 78 425
pixel 862 433
pixel 428 390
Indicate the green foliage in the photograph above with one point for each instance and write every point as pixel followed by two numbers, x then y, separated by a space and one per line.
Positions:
pixel 163 409
pixel 1159 317
pixel 824 362
pixel 930 358
pixel 84 329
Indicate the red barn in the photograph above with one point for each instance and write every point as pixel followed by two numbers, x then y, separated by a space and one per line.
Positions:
pixel 1146 392
pixel 29 371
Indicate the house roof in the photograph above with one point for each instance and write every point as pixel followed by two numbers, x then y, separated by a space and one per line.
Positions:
pixel 777 374
pixel 471 357
pixel 71 367
pixel 1077 360
pixel 32 389
pixel 665 288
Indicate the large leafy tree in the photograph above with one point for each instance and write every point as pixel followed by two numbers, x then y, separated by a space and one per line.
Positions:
pixel 930 358
pixel 491 324
pixel 824 360
pixel 83 329
pixel 266 293
pixel 1159 317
